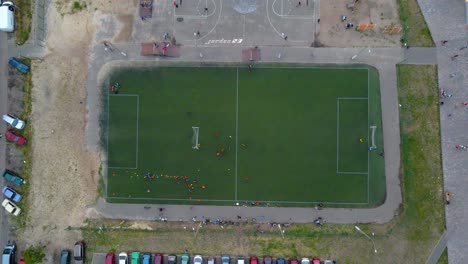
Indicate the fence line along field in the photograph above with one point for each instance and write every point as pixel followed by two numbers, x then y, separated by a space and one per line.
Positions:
pixel 283 135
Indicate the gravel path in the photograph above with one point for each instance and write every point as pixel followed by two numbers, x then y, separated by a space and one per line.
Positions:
pixel 384 59
pixel 446 21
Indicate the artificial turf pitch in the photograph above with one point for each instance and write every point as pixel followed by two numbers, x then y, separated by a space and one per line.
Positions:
pixel 291 136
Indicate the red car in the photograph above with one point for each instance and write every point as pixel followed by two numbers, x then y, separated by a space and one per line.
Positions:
pixel 13 137
pixel 253 260
pixel 110 258
pixel 316 261
pixel 158 258
pixel 293 261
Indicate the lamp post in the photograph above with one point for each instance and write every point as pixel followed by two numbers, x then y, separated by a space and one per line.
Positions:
pixel 371 239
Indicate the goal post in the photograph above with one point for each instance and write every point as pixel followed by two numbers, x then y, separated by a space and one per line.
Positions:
pixel 373 146
pixel 195 144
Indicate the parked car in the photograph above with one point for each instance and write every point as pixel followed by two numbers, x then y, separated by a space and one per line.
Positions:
pixel 110 258
pixel 172 259
pixel 268 260
pixel 240 260
pixel 79 252
pixel 197 259
pixel 211 260
pixel 135 257
pixel 316 261
pixel 14 121
pixel 146 258
pixel 293 261
pixel 253 260
pixel 9 254
pixel 184 259
pixel 11 207
pixel 225 259
pixel 12 136
pixel 329 261
pixel 65 256
pixel 158 258
pixel 123 258
pixel 305 261
pixel 13 178
pixel 11 194
pixel 280 261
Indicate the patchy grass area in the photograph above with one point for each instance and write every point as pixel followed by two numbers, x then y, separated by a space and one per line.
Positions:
pixel 424 219
pixel 416 32
pixel 23 20
pixel 409 238
pixel 443 258
pixel 34 255
pixel 21 220
pixel 77 6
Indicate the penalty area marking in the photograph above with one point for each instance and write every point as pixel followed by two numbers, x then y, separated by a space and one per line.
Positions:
pixel 137 128
pixel 338 135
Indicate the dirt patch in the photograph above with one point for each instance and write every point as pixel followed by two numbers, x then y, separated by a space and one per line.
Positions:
pixel 126 28
pixel 65 174
pixel 333 30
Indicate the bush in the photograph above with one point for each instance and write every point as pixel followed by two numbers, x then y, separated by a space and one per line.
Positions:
pixel 33 255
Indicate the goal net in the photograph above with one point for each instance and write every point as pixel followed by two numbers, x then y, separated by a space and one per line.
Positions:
pixel 195 137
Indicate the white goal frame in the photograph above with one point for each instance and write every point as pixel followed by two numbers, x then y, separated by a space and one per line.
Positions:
pixel 195 137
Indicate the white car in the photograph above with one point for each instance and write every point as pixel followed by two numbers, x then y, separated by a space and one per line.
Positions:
pixel 123 258
pixel 14 121
pixel 11 208
pixel 305 261
pixel 197 259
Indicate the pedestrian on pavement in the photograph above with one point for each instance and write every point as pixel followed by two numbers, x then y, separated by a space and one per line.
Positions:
pixel 444 42
pixel 454 56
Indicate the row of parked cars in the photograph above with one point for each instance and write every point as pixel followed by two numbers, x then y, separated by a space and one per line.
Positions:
pixel 12 197
pixel 16 124
pixel 148 258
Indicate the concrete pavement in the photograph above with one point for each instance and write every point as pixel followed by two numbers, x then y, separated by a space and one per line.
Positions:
pixel 438 249
pixel 445 19
pixel 5 226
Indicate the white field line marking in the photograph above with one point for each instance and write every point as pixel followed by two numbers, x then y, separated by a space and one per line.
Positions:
pixel 338 134
pixel 259 66
pixel 282 15
pixel 237 124
pixel 137 128
pixel 352 98
pixel 243 28
pixel 233 201
pixel 368 136
pixel 123 168
pixel 108 131
pixel 350 172
pixel 122 95
pixel 269 19
pixel 217 21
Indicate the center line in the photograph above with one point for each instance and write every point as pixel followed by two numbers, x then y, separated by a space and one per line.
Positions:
pixel 237 124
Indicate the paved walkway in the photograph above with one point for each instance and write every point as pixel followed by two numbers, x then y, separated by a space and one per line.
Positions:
pixel 446 21
pixel 438 249
pixel 384 59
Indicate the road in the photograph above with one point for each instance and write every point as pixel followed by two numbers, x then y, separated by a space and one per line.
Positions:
pixel 4 227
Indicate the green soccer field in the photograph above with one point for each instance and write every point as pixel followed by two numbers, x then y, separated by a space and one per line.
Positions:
pixel 281 135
